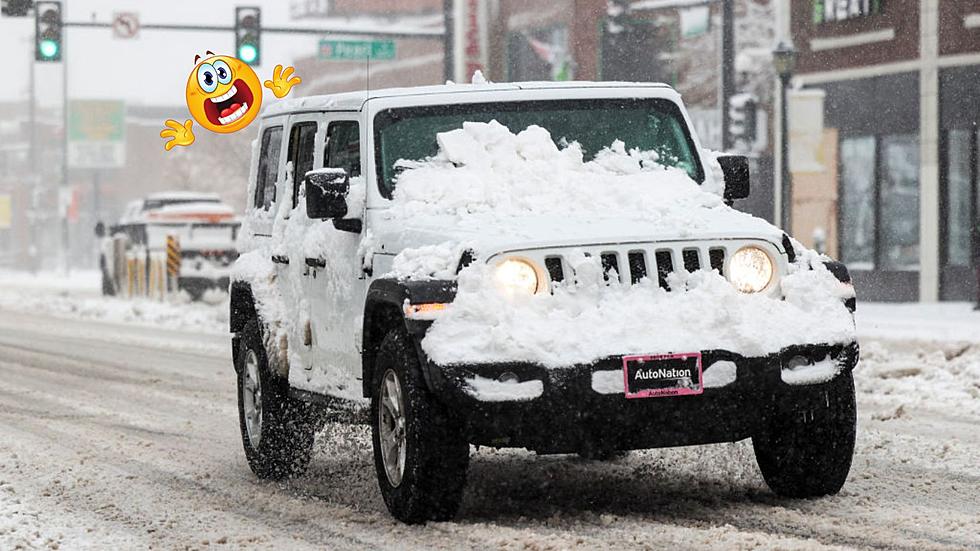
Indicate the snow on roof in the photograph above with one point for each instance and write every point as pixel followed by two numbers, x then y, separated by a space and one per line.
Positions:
pixel 208 212
pixel 192 208
pixel 183 196
pixel 354 101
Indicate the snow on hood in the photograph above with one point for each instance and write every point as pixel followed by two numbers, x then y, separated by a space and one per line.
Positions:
pixel 502 189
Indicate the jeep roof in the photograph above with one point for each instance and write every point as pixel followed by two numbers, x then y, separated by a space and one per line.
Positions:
pixel 354 101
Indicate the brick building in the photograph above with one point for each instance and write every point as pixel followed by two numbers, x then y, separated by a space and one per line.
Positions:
pixel 890 88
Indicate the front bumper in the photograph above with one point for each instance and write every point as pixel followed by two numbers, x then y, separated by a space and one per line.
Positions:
pixel 201 283
pixel 574 412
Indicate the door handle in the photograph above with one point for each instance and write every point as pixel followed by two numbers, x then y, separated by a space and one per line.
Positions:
pixel 316 263
pixel 280 259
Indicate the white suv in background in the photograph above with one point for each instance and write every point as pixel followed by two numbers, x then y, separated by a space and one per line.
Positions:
pixel 553 266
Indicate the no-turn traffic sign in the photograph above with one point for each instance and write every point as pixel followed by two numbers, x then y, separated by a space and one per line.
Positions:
pixel 125 24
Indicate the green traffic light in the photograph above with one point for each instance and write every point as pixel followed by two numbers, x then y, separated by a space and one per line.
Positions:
pixel 48 48
pixel 248 53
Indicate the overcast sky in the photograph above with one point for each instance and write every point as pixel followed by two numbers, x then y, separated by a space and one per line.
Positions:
pixel 149 70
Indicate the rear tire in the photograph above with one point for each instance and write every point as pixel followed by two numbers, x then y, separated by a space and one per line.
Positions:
pixel 420 454
pixel 277 433
pixel 806 446
pixel 108 285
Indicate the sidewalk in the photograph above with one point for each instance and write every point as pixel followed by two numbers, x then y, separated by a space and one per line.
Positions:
pixel 942 321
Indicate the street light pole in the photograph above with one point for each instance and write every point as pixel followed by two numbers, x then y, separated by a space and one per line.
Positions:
pixel 727 70
pixel 785 178
pixel 448 45
pixel 784 61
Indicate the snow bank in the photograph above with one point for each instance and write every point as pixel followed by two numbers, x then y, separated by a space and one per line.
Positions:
pixel 940 321
pixel 78 296
pixel 921 375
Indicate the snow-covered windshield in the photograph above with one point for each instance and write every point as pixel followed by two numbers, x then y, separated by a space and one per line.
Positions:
pixel 646 124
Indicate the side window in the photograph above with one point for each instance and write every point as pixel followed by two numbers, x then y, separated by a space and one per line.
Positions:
pixel 301 138
pixel 343 148
pixel 265 179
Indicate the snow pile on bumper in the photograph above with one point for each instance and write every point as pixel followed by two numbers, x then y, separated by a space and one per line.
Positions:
pixel 580 324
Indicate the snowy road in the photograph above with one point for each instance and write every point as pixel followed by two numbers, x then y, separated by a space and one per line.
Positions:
pixel 126 436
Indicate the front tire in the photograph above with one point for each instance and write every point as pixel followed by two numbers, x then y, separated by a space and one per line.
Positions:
pixel 277 433
pixel 806 445
pixel 420 455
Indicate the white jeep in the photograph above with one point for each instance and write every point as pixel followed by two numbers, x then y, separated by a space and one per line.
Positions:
pixel 540 265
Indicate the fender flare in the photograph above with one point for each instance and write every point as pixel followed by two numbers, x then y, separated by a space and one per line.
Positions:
pixel 384 309
pixel 844 276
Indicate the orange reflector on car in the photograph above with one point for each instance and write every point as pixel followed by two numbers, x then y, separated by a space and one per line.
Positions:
pixel 424 311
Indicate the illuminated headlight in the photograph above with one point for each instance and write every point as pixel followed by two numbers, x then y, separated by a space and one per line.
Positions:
pixel 515 276
pixel 750 270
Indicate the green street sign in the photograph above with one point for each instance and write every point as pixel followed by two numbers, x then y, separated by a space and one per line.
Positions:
pixel 96 133
pixel 351 50
pixel 96 120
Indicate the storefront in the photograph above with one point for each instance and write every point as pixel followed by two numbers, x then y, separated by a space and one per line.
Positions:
pixel 878 182
pixel 900 113
pixel 960 178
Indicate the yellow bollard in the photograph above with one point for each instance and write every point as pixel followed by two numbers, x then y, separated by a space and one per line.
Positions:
pixel 130 269
pixel 173 260
pixel 152 284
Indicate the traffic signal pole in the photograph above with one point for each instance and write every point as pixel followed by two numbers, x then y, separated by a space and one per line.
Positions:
pixel 346 31
pixel 64 164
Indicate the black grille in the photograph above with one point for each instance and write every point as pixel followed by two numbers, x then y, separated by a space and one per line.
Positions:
pixel 638 266
pixel 717 259
pixel 553 264
pixel 642 263
pixel 610 266
pixel 692 262
pixel 665 265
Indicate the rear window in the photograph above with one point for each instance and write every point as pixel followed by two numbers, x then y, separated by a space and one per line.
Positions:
pixel 301 151
pixel 265 179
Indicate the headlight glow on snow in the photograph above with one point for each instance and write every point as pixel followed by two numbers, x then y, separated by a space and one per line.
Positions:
pixel 750 270
pixel 515 276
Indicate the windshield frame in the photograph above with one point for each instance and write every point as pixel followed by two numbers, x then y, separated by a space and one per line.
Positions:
pixel 388 116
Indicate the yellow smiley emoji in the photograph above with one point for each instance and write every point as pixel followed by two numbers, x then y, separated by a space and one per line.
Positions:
pixel 223 94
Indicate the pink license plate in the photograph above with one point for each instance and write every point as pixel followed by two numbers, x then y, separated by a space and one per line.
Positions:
pixel 652 376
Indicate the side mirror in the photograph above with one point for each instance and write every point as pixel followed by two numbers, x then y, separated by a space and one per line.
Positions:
pixel 326 193
pixel 736 171
pixel 100 229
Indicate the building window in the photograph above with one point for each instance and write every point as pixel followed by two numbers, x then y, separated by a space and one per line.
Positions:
pixel 879 226
pixel 858 201
pixel 828 11
pixel 899 180
pixel 539 54
pixel 959 197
